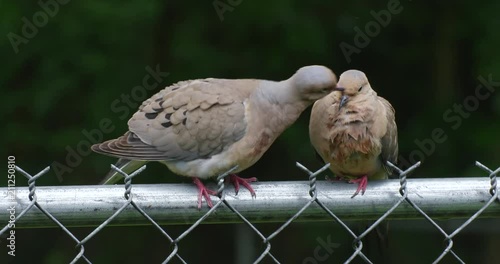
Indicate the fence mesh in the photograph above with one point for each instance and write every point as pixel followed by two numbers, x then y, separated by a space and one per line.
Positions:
pixel 266 255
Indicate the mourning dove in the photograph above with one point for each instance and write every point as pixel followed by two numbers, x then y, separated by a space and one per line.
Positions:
pixel 354 130
pixel 202 128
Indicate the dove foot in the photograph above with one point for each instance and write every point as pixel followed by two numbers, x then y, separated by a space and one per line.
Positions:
pixel 203 192
pixel 362 183
pixel 334 179
pixel 236 181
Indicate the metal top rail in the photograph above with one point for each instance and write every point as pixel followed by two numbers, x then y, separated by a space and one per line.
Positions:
pixel 275 202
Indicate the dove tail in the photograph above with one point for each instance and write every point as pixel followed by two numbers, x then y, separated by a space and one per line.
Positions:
pixel 129 146
pixel 377 242
pixel 127 166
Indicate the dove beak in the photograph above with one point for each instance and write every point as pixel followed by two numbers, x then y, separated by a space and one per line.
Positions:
pixel 340 89
pixel 343 100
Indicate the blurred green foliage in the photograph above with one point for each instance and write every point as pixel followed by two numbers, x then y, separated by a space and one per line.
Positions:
pixel 64 79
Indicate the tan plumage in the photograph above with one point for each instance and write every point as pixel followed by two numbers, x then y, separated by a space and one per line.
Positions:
pixel 202 128
pixel 355 130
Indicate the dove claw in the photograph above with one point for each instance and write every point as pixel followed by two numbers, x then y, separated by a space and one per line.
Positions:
pixel 236 181
pixel 203 192
pixel 362 184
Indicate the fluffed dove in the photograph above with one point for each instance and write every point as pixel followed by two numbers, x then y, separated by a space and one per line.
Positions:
pixel 355 131
pixel 202 128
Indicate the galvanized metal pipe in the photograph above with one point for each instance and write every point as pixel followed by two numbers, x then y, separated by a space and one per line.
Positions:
pixel 275 202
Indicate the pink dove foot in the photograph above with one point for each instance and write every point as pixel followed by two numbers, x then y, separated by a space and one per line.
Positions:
pixel 335 179
pixel 362 183
pixel 236 181
pixel 203 192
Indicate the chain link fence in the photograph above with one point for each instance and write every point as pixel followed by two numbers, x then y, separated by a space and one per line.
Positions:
pixel 285 202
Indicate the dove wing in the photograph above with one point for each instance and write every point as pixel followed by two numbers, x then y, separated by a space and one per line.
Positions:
pixel 390 140
pixel 186 121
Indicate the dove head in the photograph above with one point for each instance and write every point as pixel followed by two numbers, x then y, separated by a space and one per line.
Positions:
pixel 352 83
pixel 313 82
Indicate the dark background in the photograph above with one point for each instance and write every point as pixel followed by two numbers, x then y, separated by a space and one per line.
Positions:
pixel 63 80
